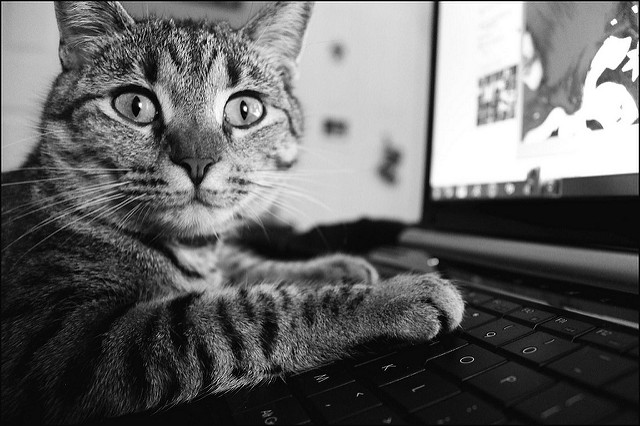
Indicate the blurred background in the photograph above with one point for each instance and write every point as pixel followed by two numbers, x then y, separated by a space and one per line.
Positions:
pixel 363 86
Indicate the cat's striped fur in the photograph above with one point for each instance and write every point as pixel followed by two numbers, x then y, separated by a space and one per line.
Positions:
pixel 118 291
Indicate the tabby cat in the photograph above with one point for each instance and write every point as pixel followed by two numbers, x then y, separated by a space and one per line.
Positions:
pixel 121 288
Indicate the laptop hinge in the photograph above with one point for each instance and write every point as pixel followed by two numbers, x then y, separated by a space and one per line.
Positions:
pixel 604 269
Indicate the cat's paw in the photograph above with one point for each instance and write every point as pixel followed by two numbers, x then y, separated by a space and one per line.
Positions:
pixel 341 268
pixel 419 307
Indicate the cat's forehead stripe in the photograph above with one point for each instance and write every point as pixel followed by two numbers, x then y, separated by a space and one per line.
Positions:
pixel 150 67
pixel 233 72
pixel 193 95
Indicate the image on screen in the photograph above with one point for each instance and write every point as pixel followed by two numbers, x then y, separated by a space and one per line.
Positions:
pixel 535 99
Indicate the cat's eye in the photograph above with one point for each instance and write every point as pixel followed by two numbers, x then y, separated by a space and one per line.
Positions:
pixel 243 111
pixel 136 107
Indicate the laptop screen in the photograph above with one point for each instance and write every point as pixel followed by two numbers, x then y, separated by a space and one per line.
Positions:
pixel 535 99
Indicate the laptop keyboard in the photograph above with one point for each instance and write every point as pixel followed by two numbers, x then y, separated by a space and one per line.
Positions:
pixel 510 362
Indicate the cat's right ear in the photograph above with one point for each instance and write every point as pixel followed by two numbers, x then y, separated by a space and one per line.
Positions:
pixel 82 24
pixel 278 30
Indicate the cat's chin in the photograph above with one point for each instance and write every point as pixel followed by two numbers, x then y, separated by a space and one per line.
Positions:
pixel 191 221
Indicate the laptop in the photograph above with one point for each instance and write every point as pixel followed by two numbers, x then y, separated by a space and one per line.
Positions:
pixel 531 207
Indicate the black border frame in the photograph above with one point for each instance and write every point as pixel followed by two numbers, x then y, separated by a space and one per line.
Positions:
pixel 598 222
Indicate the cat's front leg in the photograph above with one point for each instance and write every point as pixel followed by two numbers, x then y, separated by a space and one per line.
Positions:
pixel 336 268
pixel 121 356
pixel 246 268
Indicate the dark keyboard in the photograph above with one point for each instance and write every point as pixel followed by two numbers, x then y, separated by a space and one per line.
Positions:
pixel 511 361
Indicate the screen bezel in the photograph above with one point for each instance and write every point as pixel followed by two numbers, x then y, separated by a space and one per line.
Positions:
pixel 599 222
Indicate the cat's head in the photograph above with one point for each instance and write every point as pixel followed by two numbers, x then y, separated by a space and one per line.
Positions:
pixel 156 125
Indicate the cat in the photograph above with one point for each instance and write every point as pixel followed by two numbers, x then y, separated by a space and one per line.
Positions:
pixel 122 288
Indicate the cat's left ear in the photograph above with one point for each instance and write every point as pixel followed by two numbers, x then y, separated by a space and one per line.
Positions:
pixel 83 23
pixel 278 30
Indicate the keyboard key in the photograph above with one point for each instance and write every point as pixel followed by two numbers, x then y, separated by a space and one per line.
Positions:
pixel 626 388
pixel 343 401
pixel 281 412
pixel 610 339
pixel 540 348
pixel 380 415
pixel 321 379
pixel 396 366
pixel 217 410
pixel 474 317
pixel 592 366
pixel 254 397
pixel 530 316
pixel 510 382
pixel 565 404
pixel 500 306
pixel 466 362
pixel 371 350
pixel 419 390
pixel 566 327
pixel 499 332
pixel 463 409
pixel 474 297
pixel 195 413
pixel 624 418
pixel 391 368
pixel 445 343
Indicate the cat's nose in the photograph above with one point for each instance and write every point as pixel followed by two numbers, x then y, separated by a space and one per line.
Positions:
pixel 197 168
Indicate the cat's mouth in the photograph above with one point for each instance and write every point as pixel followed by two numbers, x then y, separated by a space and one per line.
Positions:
pixel 188 213
pixel 215 199
pixel 199 199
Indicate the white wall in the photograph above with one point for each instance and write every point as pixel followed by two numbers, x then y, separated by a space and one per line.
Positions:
pixel 378 89
pixel 29 65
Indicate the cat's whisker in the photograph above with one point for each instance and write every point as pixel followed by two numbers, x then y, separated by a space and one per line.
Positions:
pixel 281 185
pixel 147 211
pixel 35 137
pixel 306 197
pixel 117 207
pixel 126 217
pixel 28 139
pixel 250 13
pixel 101 170
pixel 275 216
pixel 302 182
pixel 135 214
pixel 261 34
pixel 292 191
pixel 74 209
pixel 255 216
pixel 287 208
pixel 50 179
pixel 70 224
pixel 285 177
pixel 315 152
pixel 317 172
pixel 34 181
pixel 82 192
pixel 74 192
pixel 264 199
